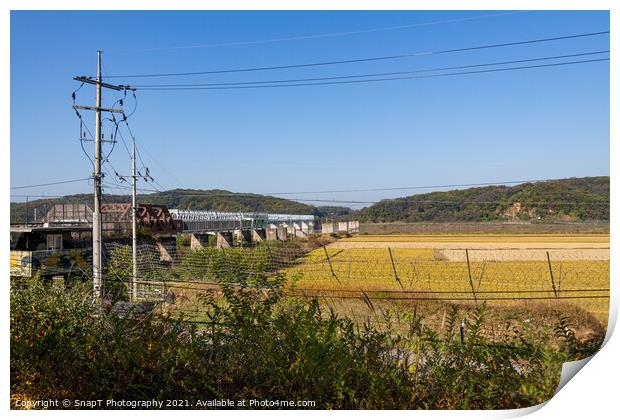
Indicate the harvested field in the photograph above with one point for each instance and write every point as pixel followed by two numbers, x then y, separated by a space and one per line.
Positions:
pixel 526 254
pixel 364 276
pixel 504 270
pixel 491 247
pixel 555 239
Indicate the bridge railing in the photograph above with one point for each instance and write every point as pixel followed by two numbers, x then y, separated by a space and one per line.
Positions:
pixel 202 220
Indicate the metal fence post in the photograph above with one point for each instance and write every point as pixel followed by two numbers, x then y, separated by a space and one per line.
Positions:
pixel 272 262
pixel 471 282
pixel 555 292
pixel 394 268
pixel 330 265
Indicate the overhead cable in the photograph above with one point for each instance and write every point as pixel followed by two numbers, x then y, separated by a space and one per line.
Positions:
pixel 366 59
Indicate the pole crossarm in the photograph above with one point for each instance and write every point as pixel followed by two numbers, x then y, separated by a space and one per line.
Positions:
pixel 102 140
pixel 91 81
pixel 94 108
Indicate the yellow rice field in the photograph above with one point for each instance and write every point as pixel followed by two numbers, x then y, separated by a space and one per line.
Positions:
pixel 503 275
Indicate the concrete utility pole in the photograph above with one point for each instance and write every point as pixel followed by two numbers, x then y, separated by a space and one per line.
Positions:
pixel 97 274
pixel 134 220
pixel 134 223
pixel 97 230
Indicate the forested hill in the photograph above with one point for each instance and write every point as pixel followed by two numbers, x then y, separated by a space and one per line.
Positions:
pixel 218 200
pixel 570 199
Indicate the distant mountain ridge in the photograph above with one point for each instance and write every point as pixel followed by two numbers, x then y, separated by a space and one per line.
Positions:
pixel 216 200
pixel 570 199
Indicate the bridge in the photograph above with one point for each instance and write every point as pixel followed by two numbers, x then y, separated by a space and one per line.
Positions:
pixel 204 228
pixel 165 225
pixel 227 227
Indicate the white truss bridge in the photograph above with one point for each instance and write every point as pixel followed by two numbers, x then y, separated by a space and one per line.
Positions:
pixel 215 221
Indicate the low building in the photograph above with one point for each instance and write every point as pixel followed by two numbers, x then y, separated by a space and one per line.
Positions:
pixel 50 251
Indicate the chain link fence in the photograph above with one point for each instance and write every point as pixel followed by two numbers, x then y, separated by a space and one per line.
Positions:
pixel 360 281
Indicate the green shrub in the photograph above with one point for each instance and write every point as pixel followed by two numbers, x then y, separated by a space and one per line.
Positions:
pixel 183 241
pixel 118 273
pixel 259 343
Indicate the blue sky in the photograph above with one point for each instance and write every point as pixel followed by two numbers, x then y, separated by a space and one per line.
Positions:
pixel 529 124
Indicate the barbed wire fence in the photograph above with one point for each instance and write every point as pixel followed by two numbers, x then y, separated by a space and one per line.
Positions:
pixel 372 284
pixel 379 285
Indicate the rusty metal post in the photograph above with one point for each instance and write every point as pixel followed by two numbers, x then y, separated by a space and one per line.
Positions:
pixel 330 265
pixel 555 292
pixel 394 268
pixel 471 282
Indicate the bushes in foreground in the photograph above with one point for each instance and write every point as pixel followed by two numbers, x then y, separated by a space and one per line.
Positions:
pixel 263 345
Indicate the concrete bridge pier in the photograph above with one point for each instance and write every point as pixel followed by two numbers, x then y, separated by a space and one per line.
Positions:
pixel 258 235
pixel 282 232
pixel 327 227
pixel 242 236
pixel 290 229
pixel 166 247
pixel 298 231
pixel 224 239
pixel 271 233
pixel 199 240
pixel 307 227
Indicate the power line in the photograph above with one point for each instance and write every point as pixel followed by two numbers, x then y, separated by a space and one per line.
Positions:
pixel 367 59
pixel 137 149
pixel 152 158
pixel 418 187
pixel 120 188
pixel 52 183
pixel 317 200
pixel 333 201
pixel 318 36
pixel 381 79
pixel 113 169
pixel 37 196
pixel 124 142
pixel 497 63
pixel 162 188
pixel 352 190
